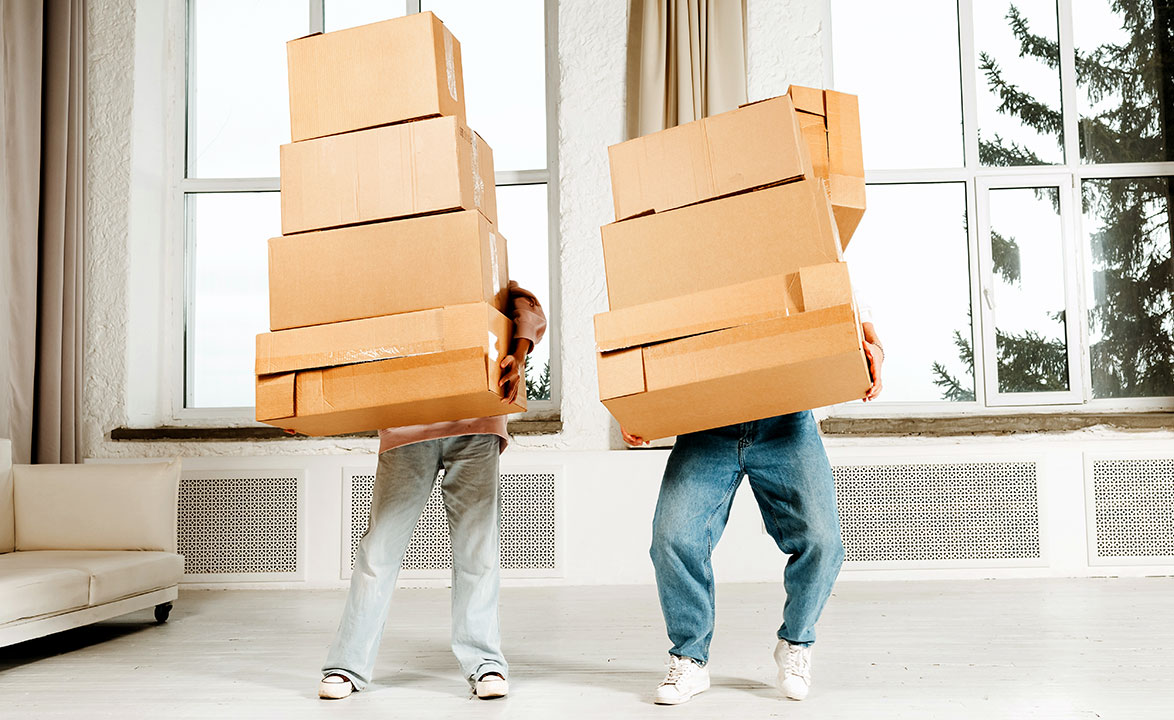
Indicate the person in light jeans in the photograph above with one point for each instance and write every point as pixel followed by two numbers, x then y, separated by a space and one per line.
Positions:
pixel 784 459
pixel 410 459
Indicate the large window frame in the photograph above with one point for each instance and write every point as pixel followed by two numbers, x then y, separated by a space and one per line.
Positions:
pixel 184 189
pixel 979 180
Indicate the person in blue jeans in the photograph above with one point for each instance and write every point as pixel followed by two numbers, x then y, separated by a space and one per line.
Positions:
pixel 784 459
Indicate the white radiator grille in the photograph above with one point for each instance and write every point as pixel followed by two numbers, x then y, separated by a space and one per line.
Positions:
pixel 966 512
pixel 239 524
pixel 1133 508
pixel 528 532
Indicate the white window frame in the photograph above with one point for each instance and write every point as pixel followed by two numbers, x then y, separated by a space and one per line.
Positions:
pixel 977 179
pixel 182 236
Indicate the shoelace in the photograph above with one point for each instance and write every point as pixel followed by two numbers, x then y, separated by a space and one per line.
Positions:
pixel 798 662
pixel 677 669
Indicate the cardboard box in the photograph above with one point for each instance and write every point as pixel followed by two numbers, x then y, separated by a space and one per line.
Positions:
pixel 369 339
pixel 386 268
pixel 455 382
pixel 385 173
pixel 845 161
pixel 749 372
pixel 830 122
pixel 811 288
pixel 754 146
pixel 387 72
pixel 696 313
pixel 716 244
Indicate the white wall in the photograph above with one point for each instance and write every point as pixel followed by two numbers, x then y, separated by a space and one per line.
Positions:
pixel 607 496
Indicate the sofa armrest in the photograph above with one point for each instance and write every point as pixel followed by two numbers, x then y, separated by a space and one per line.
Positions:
pixel 96 507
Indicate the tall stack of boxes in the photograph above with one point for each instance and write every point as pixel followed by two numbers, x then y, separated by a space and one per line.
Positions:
pixel 387 286
pixel 729 298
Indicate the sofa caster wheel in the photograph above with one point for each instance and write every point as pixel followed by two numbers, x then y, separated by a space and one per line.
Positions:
pixel 162 612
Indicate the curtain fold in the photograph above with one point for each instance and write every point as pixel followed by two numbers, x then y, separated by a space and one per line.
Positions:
pixel 41 227
pixel 686 60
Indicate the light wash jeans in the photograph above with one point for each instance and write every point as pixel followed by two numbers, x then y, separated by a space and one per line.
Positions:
pixel 472 502
pixel 792 482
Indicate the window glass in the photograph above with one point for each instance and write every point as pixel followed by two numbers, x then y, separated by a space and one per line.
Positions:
pixel 340 14
pixel 1020 119
pixel 909 263
pixel 238 103
pixel 522 214
pixel 910 92
pixel 503 56
pixel 1028 290
pixel 229 293
pixel 1130 286
pixel 1125 94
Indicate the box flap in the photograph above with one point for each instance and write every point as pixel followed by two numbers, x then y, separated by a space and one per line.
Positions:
pixel 620 373
pixel 275 396
pixel 696 313
pixel 824 286
pixel 807 99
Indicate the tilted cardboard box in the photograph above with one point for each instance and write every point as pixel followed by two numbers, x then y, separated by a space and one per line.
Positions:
pixel 745 372
pixel 386 268
pixel 830 122
pixel 756 145
pixel 449 370
pixel 719 243
pixel 387 72
pixel 385 173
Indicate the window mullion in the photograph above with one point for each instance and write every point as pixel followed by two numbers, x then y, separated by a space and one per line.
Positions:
pixel 317 16
pixel 1068 89
pixel 969 82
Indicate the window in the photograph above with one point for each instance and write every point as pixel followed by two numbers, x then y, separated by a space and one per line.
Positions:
pixel 1017 244
pixel 235 122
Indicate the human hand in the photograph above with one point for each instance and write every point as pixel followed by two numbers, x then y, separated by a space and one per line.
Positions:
pixel 632 439
pixel 876 357
pixel 511 377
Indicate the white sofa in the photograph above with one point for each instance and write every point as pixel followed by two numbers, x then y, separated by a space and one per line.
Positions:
pixel 84 543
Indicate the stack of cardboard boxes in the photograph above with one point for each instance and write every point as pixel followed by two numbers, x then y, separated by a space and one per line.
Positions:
pixel 729 298
pixel 387 286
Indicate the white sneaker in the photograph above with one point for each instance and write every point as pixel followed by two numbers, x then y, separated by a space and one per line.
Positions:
pixel 794 663
pixel 335 687
pixel 491 685
pixel 684 680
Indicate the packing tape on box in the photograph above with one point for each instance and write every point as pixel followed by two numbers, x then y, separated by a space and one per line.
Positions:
pixel 494 267
pixel 478 183
pixel 449 67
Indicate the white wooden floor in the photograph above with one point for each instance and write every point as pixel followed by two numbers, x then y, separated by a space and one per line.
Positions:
pixel 987 649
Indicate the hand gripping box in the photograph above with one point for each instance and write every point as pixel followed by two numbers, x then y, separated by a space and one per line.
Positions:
pixel 421 367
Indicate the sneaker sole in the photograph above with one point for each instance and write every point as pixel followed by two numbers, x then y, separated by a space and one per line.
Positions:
pixel 332 694
pixel 678 701
pixel 491 691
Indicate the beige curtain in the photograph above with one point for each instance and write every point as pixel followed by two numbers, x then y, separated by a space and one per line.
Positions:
pixel 686 60
pixel 41 226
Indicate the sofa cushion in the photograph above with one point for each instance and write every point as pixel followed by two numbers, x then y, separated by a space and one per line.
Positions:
pixel 7 529
pixel 27 592
pixel 96 507
pixel 112 574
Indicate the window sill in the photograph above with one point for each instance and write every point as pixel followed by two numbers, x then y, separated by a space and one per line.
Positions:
pixel 993 424
pixel 538 426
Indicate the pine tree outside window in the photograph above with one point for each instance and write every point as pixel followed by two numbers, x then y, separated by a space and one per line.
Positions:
pixel 1017 244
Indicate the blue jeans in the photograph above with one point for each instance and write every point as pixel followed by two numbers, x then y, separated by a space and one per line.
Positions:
pixel 472 502
pixel 792 482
